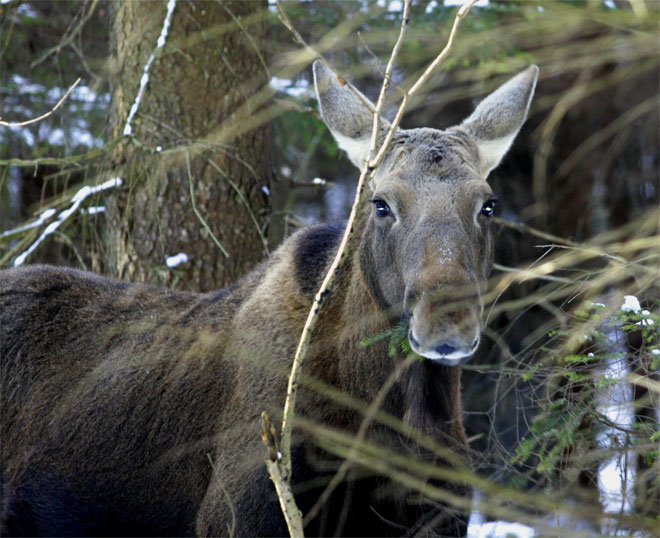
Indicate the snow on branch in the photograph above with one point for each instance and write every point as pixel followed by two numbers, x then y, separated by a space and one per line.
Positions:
pixel 162 38
pixel 65 215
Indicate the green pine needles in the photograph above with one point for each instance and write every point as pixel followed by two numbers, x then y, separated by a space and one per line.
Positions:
pixel 397 338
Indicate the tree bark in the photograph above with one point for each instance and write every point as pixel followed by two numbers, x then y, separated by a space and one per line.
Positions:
pixel 200 88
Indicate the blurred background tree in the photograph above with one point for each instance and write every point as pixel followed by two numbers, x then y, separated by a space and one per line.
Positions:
pixel 584 170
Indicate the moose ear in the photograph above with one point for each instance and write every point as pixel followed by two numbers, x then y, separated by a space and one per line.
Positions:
pixel 349 117
pixel 498 118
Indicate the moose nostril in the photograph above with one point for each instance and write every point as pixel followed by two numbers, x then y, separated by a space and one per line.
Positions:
pixel 445 349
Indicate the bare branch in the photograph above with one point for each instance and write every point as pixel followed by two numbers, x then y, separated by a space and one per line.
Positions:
pixel 281 480
pixel 383 90
pixel 249 37
pixel 67 214
pixel 43 116
pixel 199 216
pixel 462 13
pixel 314 54
pixel 281 470
pixel 162 38
pixel 233 185
pixel 524 228
pixel 67 39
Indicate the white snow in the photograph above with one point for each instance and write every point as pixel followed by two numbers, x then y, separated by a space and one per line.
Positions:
pixel 128 129
pixel 501 529
pixel 431 6
pixel 42 218
pixel 26 86
pixel 480 3
pixel 81 99
pixel 94 209
pixel 80 94
pixel 176 260
pixel 615 477
pixel 299 88
pixel 26 10
pixel 395 5
pixel 630 304
pixel 77 199
pixel 478 527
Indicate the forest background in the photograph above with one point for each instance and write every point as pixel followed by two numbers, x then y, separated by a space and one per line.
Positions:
pixel 226 155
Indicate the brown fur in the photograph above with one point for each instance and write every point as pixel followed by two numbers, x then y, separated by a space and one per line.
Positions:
pixel 129 410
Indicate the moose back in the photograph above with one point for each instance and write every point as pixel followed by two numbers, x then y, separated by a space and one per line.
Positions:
pixel 132 410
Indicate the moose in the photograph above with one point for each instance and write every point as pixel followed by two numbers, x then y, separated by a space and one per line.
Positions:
pixel 132 410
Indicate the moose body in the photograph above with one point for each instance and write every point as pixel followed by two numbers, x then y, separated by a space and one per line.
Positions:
pixel 131 410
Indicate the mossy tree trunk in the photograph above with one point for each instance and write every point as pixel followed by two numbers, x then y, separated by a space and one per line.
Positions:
pixel 199 96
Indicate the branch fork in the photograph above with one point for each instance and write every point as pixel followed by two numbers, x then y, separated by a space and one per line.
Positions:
pixel 279 461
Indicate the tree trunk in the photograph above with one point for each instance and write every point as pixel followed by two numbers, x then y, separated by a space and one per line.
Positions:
pixel 200 89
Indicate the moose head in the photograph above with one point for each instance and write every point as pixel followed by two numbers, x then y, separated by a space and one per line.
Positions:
pixel 427 247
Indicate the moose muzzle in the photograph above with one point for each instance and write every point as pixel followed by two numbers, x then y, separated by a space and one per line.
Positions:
pixel 445 315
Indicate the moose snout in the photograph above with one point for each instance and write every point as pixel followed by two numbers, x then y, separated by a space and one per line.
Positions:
pixel 450 352
pixel 445 329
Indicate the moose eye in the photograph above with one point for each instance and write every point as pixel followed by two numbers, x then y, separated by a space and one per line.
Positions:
pixel 488 209
pixel 382 209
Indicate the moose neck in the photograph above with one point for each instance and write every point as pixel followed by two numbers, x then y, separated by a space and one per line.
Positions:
pixel 425 394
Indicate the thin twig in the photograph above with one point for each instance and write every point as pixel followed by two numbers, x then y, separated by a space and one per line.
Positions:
pixel 72 159
pixel 282 482
pixel 160 43
pixel 462 12
pixel 291 105
pixel 383 90
pixel 233 185
pixel 371 53
pixel 519 226
pixel 68 38
pixel 67 214
pixel 314 54
pixel 249 37
pixel 597 139
pixel 283 466
pixel 43 116
pixel 198 214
